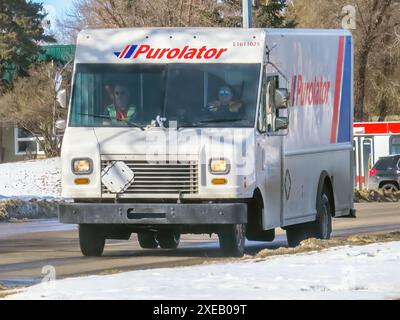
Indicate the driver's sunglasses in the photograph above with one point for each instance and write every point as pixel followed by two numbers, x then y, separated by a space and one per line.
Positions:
pixel 224 93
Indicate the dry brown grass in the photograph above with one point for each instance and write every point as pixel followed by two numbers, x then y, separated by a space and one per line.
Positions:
pixel 375 196
pixel 6 292
pixel 4 207
pixel 16 210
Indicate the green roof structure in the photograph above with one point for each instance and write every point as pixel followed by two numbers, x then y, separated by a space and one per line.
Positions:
pixel 59 53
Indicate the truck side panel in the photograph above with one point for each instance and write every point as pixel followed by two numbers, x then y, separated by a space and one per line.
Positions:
pixel 319 71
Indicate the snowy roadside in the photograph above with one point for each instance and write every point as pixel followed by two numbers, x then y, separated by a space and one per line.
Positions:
pixel 30 189
pixel 31 179
pixel 346 272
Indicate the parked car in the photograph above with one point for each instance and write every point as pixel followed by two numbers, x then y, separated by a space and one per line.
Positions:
pixel 385 174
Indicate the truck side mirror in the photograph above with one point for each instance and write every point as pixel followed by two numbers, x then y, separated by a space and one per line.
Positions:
pixel 62 98
pixel 281 98
pixel 281 123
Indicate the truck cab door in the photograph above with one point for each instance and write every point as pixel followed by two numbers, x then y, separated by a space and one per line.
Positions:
pixel 269 156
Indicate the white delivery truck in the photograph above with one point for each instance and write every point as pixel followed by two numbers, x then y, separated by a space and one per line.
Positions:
pixel 228 131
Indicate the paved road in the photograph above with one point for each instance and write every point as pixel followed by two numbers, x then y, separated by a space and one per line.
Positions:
pixel 25 248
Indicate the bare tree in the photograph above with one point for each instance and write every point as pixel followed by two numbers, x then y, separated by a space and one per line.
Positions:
pixel 29 105
pixel 169 13
pixel 139 13
pixel 374 25
pixel 384 77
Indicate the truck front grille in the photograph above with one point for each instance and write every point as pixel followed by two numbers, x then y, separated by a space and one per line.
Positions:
pixel 160 178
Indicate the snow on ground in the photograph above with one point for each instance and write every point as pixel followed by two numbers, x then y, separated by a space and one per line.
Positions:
pixel 358 272
pixel 31 179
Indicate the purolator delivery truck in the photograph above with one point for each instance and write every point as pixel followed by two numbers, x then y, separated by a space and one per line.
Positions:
pixel 235 132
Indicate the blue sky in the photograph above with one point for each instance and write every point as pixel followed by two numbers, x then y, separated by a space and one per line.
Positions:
pixel 55 8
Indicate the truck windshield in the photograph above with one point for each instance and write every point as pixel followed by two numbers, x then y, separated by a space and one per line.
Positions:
pixel 193 95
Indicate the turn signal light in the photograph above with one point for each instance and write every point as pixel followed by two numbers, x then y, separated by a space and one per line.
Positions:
pixel 219 181
pixel 80 181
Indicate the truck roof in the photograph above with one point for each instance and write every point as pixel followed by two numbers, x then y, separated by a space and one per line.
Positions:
pixel 170 45
pixel 177 45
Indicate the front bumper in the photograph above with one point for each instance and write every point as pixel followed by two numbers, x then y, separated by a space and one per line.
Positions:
pixel 153 213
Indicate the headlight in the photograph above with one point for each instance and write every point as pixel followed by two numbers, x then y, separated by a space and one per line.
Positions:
pixel 219 166
pixel 82 166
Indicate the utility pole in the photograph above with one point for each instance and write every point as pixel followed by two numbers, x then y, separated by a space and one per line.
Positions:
pixel 247 13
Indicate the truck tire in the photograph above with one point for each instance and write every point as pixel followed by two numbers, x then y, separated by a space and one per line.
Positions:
pixel 321 228
pixel 91 240
pixel 147 240
pixel 168 239
pixel 232 239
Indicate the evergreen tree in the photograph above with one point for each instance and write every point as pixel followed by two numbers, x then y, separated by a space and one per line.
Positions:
pixel 20 33
pixel 266 14
pixel 273 14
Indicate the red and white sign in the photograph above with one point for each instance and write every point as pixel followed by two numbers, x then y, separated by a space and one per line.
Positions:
pixel 376 128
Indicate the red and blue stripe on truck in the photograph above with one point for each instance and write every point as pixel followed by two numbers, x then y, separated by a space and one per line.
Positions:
pixel 341 120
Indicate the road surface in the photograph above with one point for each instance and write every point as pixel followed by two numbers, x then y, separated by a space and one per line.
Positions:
pixel 26 248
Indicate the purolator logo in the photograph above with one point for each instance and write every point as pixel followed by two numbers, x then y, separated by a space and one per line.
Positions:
pixel 305 93
pixel 134 51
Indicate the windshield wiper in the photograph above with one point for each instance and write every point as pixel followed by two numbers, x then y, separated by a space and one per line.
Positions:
pixel 94 115
pixel 134 124
pixel 195 124
pixel 220 120
pixel 129 123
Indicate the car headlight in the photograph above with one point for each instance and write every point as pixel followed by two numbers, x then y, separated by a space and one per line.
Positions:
pixel 82 166
pixel 219 166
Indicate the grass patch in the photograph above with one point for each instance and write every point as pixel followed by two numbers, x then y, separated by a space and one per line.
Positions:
pixel 16 210
pixel 8 292
pixel 310 245
pixel 375 196
pixel 109 272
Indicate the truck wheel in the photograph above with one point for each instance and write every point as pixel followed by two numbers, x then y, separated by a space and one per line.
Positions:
pixel 322 227
pixel 147 240
pixel 91 240
pixel 232 239
pixel 168 239
pixel 319 229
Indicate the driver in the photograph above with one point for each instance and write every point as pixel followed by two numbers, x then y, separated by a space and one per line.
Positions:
pixel 225 105
pixel 121 109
